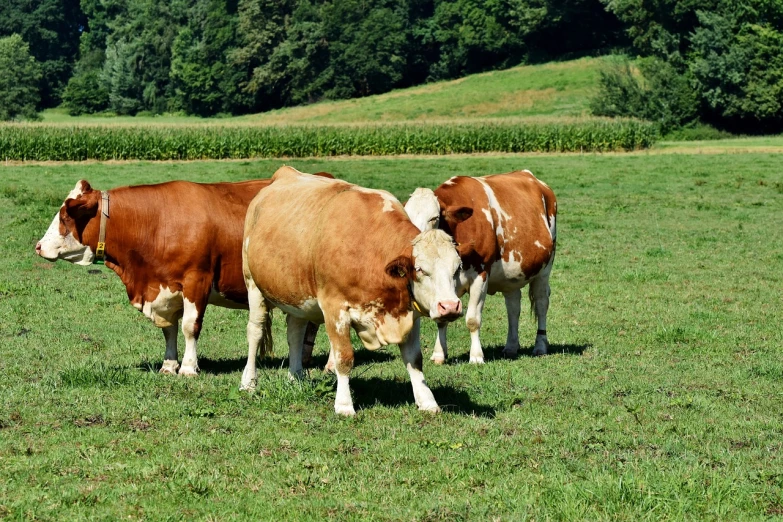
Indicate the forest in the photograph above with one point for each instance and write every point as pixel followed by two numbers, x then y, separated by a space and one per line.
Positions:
pixel 710 61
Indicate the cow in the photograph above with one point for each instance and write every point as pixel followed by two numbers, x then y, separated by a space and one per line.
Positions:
pixel 177 246
pixel 331 252
pixel 504 227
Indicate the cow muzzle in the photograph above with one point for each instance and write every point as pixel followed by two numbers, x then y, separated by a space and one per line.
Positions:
pixel 448 311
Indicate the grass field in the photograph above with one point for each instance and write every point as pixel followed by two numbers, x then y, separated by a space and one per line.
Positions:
pixel 661 399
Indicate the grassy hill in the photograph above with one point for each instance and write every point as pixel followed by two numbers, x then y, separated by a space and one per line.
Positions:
pixel 558 89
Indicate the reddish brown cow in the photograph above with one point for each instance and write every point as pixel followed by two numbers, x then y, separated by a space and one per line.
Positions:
pixel 504 226
pixel 176 246
pixel 331 252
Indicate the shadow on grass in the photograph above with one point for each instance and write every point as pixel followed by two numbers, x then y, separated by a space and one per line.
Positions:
pixel 392 393
pixel 223 366
pixel 495 352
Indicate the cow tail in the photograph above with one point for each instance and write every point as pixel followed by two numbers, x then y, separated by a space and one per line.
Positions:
pixel 267 343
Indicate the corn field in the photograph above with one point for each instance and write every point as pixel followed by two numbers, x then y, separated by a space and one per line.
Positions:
pixel 30 142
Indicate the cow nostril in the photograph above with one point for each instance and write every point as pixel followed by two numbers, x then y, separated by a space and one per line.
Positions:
pixel 38 248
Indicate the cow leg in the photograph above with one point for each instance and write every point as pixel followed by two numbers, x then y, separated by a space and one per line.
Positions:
pixel 170 364
pixel 309 343
pixel 192 318
pixel 440 352
pixel 478 294
pixel 410 350
pixel 539 300
pixel 513 299
pixel 340 337
pixel 258 334
pixel 296 330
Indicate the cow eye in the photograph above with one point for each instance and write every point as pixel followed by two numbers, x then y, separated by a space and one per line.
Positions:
pixel 433 220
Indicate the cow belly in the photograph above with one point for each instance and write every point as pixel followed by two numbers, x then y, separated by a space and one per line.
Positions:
pixel 307 309
pixel 218 299
pixel 506 276
pixel 165 310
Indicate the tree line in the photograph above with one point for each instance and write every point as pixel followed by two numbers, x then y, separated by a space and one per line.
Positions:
pixel 714 61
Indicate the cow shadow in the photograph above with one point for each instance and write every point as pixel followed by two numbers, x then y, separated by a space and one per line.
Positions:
pixel 389 392
pixel 495 352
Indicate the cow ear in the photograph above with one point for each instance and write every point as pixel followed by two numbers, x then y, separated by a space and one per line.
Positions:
pixel 324 175
pixel 457 214
pixel 401 267
pixel 82 205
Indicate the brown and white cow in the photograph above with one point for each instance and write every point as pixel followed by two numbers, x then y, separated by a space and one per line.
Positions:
pixel 177 247
pixel 504 227
pixel 331 252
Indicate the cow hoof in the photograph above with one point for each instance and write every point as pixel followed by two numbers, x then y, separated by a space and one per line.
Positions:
pixel 509 353
pixel 348 411
pixel 189 371
pixel 476 360
pixel 430 408
pixel 169 367
pixel 540 348
pixel 439 360
pixel 248 387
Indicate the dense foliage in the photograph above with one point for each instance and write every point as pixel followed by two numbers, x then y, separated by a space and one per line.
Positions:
pixel 710 60
pixel 18 81
pixel 43 142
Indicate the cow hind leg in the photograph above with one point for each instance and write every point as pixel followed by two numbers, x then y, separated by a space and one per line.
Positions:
pixel 539 301
pixel 410 350
pixel 296 331
pixel 513 299
pixel 440 352
pixel 259 334
pixel 342 352
pixel 170 364
pixel 309 343
pixel 192 319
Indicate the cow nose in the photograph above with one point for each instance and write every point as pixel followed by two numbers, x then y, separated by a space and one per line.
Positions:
pixel 38 248
pixel 449 310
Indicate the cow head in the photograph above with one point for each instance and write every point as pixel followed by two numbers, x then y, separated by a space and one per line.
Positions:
pixel 64 238
pixel 436 266
pixel 423 209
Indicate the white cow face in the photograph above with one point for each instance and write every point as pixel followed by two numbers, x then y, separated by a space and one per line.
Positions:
pixel 437 265
pixel 423 209
pixel 63 239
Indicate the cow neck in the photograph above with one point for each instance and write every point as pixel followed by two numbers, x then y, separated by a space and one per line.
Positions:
pixel 414 305
pixel 100 251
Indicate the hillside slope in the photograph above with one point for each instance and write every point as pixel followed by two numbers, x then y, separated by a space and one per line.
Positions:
pixel 557 89
pixel 552 89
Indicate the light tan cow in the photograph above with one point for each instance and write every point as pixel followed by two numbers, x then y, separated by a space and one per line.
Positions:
pixel 504 226
pixel 331 252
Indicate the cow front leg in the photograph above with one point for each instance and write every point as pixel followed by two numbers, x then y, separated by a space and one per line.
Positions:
pixel 513 299
pixel 296 331
pixel 259 334
pixel 338 330
pixel 440 352
pixel 539 299
pixel 478 294
pixel 410 350
pixel 170 364
pixel 192 318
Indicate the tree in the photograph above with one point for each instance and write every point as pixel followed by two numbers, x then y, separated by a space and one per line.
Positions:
pixel 19 81
pixel 739 68
pixel 52 29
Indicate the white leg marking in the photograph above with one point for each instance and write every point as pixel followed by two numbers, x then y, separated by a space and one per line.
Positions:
pixel 539 297
pixel 257 317
pixel 343 404
pixel 478 293
pixel 440 352
pixel 189 358
pixel 410 350
pixel 513 299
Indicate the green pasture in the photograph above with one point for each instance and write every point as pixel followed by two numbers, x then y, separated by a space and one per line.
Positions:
pixel 552 90
pixel 662 398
